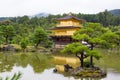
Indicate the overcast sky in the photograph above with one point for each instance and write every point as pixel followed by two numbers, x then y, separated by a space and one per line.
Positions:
pixel 31 7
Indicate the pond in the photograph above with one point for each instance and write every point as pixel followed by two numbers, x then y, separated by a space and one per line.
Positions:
pixel 34 66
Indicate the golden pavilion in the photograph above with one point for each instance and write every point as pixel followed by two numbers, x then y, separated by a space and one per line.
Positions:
pixel 62 33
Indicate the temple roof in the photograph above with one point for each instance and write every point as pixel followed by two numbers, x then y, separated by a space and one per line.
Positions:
pixel 69 17
pixel 64 27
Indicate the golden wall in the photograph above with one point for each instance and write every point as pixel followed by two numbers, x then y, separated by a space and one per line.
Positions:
pixel 69 23
pixel 65 32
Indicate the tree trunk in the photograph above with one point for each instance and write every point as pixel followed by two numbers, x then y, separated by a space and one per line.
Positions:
pixel 81 57
pixel 6 39
pixel 91 57
pixel 82 61
pixel 91 48
pixel 36 45
pixel 91 61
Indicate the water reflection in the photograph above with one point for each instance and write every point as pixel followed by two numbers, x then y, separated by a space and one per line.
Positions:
pixel 35 66
pixel 39 62
pixel 29 74
pixel 6 63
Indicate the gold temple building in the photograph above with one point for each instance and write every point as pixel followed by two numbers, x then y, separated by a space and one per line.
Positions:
pixel 62 33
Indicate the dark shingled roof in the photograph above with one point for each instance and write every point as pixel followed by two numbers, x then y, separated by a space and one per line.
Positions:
pixel 70 17
pixel 64 27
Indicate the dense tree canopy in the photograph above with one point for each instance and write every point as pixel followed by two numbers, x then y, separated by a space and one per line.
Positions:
pixel 116 30
pixel 39 37
pixel 25 26
pixel 111 38
pixel 105 18
pixel 91 34
pixel 7 32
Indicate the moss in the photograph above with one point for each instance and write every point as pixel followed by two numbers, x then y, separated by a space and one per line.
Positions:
pixel 91 73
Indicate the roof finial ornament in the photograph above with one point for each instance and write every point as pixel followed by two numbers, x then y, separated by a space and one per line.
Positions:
pixel 70 14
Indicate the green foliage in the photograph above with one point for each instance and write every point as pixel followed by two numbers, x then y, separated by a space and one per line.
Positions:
pixel 15 77
pixel 23 44
pixel 24 26
pixel 97 41
pixel 105 18
pixel 39 36
pixel 8 32
pixel 23 20
pixel 5 22
pixel 80 36
pixel 79 48
pixel 90 33
pixel 94 53
pixel 87 64
pixel 75 48
pixel 17 39
pixel 111 38
pixel 95 34
pixel 48 44
pixel 116 30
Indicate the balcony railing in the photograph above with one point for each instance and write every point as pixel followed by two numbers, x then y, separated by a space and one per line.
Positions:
pixel 62 25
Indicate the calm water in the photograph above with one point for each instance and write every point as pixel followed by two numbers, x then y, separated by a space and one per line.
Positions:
pixel 40 67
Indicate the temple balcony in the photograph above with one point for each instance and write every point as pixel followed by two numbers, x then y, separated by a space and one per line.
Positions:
pixel 63 25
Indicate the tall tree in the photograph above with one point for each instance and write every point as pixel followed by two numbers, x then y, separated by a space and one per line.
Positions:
pixel 111 38
pixel 81 51
pixel 116 30
pixel 8 32
pixel 23 43
pixel 91 35
pixel 22 20
pixel 77 49
pixel 39 36
pixel 33 22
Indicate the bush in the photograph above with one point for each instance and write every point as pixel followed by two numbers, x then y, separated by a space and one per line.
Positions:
pixel 23 44
pixel 86 64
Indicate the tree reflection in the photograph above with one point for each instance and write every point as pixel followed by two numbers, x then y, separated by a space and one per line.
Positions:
pixel 23 60
pixel 6 62
pixel 39 62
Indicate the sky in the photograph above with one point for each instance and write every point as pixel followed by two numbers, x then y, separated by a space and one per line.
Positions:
pixel 11 8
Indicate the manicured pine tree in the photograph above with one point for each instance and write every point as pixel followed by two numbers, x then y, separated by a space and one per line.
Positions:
pixel 91 34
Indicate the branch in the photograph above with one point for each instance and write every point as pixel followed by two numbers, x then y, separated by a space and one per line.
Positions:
pixel 78 56
pixel 85 56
